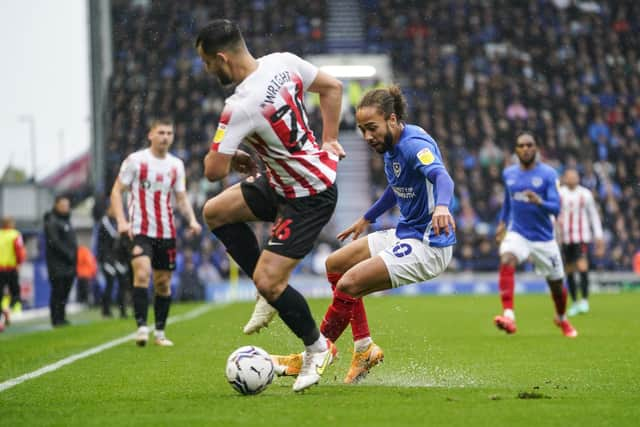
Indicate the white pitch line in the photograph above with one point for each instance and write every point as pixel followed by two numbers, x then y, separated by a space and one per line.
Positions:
pixel 95 350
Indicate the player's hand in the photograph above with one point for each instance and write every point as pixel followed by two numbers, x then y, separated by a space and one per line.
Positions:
pixel 242 162
pixel 533 197
pixel 194 228
pixel 334 147
pixel 501 231
pixel 442 221
pixel 357 228
pixel 124 228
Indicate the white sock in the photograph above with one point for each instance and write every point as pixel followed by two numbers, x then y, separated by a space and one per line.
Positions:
pixel 509 313
pixel 362 344
pixel 159 334
pixel 562 318
pixel 318 346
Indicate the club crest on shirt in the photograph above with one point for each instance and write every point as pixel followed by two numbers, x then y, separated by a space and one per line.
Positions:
pixel 536 181
pixel 425 156
pixel 396 169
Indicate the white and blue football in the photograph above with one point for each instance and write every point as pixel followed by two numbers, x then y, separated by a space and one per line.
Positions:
pixel 249 370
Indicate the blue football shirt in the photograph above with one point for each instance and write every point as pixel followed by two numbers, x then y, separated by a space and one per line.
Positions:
pixel 532 221
pixel 407 166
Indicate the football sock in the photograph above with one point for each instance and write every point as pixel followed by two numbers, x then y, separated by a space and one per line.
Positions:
pixel 359 324
pixel 584 284
pixel 559 295
pixel 140 305
pixel 506 283
pixel 295 313
pixel 362 344
pixel 571 283
pixel 319 345
pixel 509 313
pixel 161 306
pixel 241 244
pixel 339 313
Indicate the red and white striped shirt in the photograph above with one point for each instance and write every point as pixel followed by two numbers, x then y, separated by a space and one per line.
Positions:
pixel 151 180
pixel 579 219
pixel 267 112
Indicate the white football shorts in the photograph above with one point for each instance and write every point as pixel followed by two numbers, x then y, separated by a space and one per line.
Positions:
pixel 545 255
pixel 408 260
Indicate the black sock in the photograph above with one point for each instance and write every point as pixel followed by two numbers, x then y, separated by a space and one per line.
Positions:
pixel 241 244
pixel 571 282
pixel 295 313
pixel 140 305
pixel 584 284
pixel 161 309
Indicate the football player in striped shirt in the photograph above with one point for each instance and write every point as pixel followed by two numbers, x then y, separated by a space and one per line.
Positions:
pixel 152 176
pixel 579 226
pixel 298 193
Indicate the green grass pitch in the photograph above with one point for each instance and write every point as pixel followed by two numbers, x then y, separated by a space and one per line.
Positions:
pixel 445 365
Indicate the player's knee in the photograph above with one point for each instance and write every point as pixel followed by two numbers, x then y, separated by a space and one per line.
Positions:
pixel 348 284
pixel 141 279
pixel 266 284
pixel 333 264
pixel 213 214
pixel 162 288
pixel 582 265
pixel 509 259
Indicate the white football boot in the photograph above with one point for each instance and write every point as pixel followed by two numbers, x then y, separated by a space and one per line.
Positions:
pixel 162 340
pixel 142 336
pixel 262 315
pixel 313 366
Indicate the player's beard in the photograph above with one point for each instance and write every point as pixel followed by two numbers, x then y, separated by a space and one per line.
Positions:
pixel 527 162
pixel 225 79
pixel 388 140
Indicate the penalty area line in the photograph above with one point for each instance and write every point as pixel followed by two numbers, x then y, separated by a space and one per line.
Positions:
pixel 98 349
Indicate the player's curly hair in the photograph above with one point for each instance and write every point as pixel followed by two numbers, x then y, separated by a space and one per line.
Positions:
pixel 387 101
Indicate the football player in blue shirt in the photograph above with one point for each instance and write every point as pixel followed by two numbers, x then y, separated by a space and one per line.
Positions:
pixel 526 229
pixel 418 249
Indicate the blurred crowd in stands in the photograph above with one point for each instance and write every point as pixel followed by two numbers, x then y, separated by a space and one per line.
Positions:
pixel 477 72
pixel 474 72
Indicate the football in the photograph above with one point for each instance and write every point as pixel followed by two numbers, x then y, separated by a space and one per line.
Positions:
pixel 249 370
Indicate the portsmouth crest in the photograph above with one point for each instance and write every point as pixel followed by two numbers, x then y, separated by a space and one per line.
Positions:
pixel 536 181
pixel 396 169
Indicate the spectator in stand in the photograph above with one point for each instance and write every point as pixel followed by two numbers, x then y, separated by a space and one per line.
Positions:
pixel 569 67
pixel 191 287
